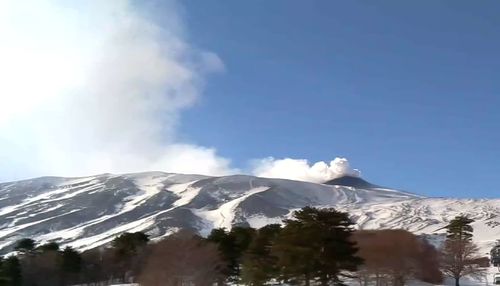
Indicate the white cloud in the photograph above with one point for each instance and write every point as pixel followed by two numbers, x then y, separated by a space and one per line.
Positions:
pixel 96 87
pixel 300 169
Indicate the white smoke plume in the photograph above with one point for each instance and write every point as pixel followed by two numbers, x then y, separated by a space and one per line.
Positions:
pixel 94 86
pixel 300 169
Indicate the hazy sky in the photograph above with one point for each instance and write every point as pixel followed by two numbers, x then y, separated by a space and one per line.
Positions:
pixel 407 92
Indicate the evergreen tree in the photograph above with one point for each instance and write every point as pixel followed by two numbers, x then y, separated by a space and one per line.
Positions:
pixel 225 246
pixel 259 265
pixel 70 265
pixel 3 279
pixel 316 245
pixel 128 249
pixel 71 261
pixel 25 245
pixel 10 272
pixel 242 237
pixel 460 228
pixel 51 246
pixel 459 253
pixel 127 244
pixel 232 246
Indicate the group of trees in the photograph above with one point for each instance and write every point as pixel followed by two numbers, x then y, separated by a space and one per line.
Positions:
pixel 48 265
pixel 46 262
pixel 315 246
pixel 392 257
pixel 320 246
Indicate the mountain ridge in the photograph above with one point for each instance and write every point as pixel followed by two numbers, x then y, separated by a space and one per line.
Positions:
pixel 86 212
pixel 352 181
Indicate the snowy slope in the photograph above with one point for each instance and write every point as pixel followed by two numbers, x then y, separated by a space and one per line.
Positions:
pixel 91 211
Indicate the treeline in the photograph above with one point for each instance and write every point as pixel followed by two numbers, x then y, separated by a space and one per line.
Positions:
pixel 316 246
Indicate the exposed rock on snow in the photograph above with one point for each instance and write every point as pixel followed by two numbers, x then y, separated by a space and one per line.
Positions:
pixel 91 211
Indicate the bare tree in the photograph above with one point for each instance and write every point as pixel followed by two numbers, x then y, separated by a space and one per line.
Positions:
pixel 461 258
pixel 428 264
pixel 182 259
pixel 391 257
pixel 41 269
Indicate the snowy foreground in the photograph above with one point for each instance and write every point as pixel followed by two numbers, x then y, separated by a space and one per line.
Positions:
pixel 90 211
pixel 466 281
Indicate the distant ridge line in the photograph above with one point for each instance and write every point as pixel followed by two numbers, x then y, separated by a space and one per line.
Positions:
pixel 355 182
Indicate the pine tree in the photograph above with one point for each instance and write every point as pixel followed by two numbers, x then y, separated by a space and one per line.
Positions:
pixel 460 228
pixel 127 244
pixel 225 246
pixel 71 261
pixel 128 250
pixel 259 265
pixel 232 245
pixel 459 253
pixel 51 246
pixel 70 264
pixel 10 272
pixel 25 245
pixel 316 245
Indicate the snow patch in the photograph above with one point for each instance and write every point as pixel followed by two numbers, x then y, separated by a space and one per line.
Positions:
pixel 224 215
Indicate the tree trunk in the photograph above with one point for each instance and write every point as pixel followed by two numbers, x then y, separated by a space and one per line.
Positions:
pixel 324 280
pixel 306 276
pixel 457 281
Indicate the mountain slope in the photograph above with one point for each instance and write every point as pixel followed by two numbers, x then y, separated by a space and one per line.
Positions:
pixel 350 181
pixel 91 211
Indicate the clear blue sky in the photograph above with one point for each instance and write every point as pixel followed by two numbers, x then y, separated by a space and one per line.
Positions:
pixel 408 91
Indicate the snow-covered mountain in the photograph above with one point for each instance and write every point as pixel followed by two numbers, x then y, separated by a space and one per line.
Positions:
pixel 91 211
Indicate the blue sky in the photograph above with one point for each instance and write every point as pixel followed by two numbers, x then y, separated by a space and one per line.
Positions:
pixel 408 91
